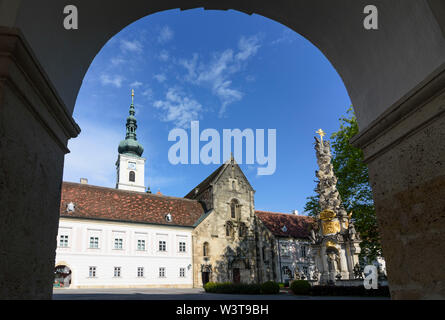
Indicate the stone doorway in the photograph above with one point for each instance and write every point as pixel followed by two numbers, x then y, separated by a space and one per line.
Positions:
pixel 236 275
pixel 205 277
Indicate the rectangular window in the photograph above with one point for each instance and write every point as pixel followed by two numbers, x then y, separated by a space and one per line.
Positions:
pixel 181 272
pixel 140 272
pixel 303 252
pixel 162 246
pixel 92 272
pixel 94 242
pixel 284 250
pixel 63 241
pixel 161 272
pixel 141 245
pixel 181 246
pixel 118 243
pixel 117 272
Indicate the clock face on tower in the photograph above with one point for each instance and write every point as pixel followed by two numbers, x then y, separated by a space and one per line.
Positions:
pixel 132 165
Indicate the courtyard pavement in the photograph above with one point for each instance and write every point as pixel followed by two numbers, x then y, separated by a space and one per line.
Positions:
pixel 179 294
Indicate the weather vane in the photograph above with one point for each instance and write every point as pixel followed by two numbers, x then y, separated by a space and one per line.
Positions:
pixel 321 133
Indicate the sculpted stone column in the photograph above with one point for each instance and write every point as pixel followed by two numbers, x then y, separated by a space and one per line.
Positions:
pixel 405 152
pixel 34 130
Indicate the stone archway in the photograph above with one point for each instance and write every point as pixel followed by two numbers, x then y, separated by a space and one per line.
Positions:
pixel 397 91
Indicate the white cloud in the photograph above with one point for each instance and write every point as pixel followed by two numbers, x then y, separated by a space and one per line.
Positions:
pixel 136 84
pixel 248 47
pixel 287 36
pixel 117 61
pixel 178 108
pixel 115 80
pixel 160 77
pixel 190 65
pixel 218 73
pixel 164 55
pixel 165 35
pixel 132 46
pixel 148 93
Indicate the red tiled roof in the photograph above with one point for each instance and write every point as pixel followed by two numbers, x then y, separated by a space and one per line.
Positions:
pixel 297 226
pixel 95 202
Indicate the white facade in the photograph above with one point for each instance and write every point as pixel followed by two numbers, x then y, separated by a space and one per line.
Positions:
pixel 130 168
pixel 121 254
pixel 294 259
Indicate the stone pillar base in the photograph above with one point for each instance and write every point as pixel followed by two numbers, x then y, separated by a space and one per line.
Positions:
pixel 405 152
pixel 34 130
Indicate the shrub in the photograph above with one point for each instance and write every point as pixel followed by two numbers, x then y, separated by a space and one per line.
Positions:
pixel 270 287
pixel 210 286
pixel 281 285
pixel 300 287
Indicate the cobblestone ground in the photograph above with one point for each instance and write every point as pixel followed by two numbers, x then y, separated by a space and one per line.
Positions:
pixel 178 294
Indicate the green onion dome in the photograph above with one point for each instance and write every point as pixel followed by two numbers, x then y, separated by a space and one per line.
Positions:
pixel 130 145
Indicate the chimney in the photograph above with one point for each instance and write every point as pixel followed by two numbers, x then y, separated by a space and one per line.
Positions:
pixel 83 181
pixel 295 212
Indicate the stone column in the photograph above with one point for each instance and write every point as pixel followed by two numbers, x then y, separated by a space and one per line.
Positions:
pixel 34 129
pixel 405 152
pixel 343 261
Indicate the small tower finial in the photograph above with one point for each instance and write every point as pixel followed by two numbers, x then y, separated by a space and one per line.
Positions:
pixel 132 96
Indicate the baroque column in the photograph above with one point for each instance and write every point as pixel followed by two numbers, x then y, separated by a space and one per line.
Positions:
pixel 334 231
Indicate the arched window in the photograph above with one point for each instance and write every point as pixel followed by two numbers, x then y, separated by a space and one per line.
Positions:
pixel 229 229
pixel 132 176
pixel 205 249
pixel 242 229
pixel 234 208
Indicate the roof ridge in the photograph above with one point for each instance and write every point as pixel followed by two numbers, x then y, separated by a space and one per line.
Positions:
pixel 127 191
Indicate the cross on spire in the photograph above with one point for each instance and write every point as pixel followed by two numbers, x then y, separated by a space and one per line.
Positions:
pixel 321 133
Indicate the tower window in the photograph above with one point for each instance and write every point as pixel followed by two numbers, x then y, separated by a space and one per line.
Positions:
pixel 234 209
pixel 132 176
pixel 229 229
pixel 205 249
pixel 242 229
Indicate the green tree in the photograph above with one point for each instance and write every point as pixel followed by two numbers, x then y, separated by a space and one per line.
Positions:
pixel 353 186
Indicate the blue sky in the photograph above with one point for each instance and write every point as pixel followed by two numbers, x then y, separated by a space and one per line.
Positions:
pixel 224 68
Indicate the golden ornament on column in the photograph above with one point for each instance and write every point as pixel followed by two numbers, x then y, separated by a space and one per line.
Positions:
pixel 329 225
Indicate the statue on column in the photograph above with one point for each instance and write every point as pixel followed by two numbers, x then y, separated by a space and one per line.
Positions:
pixel 334 235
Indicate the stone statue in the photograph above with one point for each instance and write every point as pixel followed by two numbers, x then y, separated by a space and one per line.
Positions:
pixel 333 222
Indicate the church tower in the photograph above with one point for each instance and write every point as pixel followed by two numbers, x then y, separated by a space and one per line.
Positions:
pixel 130 165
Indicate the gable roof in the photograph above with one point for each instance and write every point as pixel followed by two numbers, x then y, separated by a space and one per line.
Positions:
pixel 206 183
pixel 93 202
pixel 295 226
pixel 212 178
